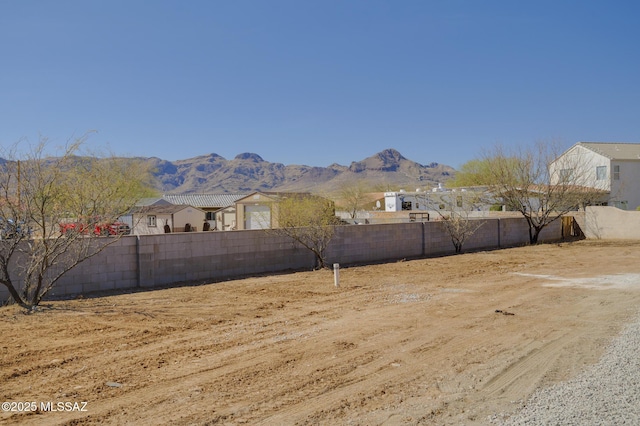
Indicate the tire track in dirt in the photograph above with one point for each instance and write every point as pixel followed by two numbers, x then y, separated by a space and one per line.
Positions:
pixel 226 356
pixel 414 363
pixel 523 375
pixel 311 387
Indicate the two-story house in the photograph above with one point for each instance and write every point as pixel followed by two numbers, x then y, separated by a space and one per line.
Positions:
pixel 611 167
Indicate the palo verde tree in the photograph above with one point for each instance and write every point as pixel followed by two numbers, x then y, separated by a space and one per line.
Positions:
pixel 536 181
pixel 38 193
pixel 308 220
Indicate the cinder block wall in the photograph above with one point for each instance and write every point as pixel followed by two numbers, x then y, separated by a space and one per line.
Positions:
pixel 181 257
pixel 515 231
pixel 165 259
pixel 375 243
pixel 113 268
pixel 484 237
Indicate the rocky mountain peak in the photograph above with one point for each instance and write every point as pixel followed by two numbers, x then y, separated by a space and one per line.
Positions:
pixel 388 160
pixel 390 156
pixel 249 156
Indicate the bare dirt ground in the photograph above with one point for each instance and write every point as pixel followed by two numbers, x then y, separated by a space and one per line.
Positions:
pixel 413 342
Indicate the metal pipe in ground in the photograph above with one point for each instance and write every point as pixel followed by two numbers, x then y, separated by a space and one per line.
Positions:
pixel 336 274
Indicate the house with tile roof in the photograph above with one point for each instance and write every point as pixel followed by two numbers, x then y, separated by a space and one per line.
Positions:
pixel 611 167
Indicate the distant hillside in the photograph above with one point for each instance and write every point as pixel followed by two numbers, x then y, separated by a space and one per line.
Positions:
pixel 249 172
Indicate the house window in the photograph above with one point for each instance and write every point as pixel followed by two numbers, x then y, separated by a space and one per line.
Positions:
pixel 151 220
pixel 210 216
pixel 406 205
pixel 601 173
pixel 616 172
pixel 622 205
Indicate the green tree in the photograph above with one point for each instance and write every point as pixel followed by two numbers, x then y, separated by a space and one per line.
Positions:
pixel 308 220
pixel 38 193
pixel 472 173
pixel 535 181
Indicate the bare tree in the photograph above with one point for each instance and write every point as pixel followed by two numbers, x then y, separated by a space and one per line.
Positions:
pixel 55 211
pixel 454 210
pixel 308 220
pixel 353 197
pixel 537 182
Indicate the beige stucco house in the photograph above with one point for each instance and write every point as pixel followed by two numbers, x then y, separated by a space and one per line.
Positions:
pixel 153 219
pixel 219 208
pixel 611 167
pixel 259 210
pixel 225 219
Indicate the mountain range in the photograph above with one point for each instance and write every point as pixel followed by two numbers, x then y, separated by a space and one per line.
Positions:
pixel 247 172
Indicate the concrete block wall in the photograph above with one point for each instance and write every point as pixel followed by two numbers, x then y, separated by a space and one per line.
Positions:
pixel 182 257
pixel 437 240
pixel 515 231
pixel 113 268
pixel 552 232
pixel 484 237
pixel 160 260
pixel 375 243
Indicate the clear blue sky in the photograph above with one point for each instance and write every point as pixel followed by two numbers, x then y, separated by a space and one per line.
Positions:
pixel 320 81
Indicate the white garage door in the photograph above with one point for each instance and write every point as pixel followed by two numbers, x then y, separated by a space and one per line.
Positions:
pixel 257 217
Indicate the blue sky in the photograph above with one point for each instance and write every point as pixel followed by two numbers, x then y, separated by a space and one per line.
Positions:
pixel 321 81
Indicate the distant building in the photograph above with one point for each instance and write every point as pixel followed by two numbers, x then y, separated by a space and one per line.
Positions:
pixel 222 212
pixel 219 208
pixel 153 219
pixel 259 210
pixel 438 199
pixel 613 168
pixel 210 203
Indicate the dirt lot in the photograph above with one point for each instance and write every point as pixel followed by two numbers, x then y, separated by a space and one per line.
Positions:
pixel 413 342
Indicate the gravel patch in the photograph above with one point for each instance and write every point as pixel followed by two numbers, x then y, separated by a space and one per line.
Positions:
pixel 608 393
